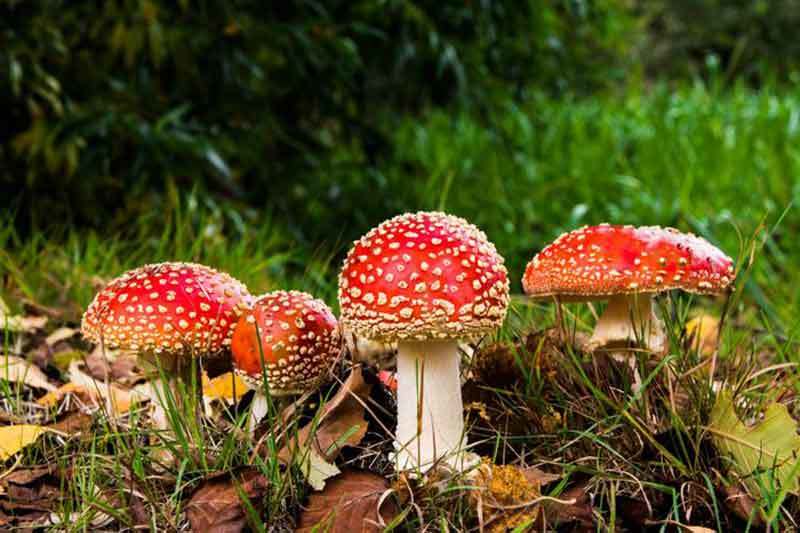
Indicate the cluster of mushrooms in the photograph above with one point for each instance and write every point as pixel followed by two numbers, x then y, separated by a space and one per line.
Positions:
pixel 421 281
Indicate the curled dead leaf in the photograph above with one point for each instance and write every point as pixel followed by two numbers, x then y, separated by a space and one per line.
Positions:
pixel 218 506
pixel 118 401
pixel 349 504
pixel 341 423
pixel 18 370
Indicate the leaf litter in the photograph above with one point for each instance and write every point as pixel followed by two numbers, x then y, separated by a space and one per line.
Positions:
pixel 345 499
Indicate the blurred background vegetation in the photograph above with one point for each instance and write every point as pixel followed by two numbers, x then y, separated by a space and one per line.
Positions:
pixel 301 124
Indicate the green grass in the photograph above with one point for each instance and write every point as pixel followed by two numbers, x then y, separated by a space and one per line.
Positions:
pixel 721 164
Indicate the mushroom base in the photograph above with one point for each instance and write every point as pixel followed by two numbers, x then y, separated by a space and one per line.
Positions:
pixel 630 317
pixel 430 424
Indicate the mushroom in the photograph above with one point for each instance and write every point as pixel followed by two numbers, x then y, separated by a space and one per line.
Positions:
pixel 290 338
pixel 425 280
pixel 627 265
pixel 169 313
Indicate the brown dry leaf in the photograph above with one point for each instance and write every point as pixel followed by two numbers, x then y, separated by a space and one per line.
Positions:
pixel 702 333
pixel 18 370
pixel 15 438
pixel 118 400
pixel 24 476
pixel 538 478
pixel 228 386
pixel 74 423
pixel 217 507
pixel 52 398
pixel 340 424
pixel 125 369
pixel 349 504
pixel 742 505
pixel 579 511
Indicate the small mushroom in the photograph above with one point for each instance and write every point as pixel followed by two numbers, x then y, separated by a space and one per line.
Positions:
pixel 169 313
pixel 627 265
pixel 425 280
pixel 290 338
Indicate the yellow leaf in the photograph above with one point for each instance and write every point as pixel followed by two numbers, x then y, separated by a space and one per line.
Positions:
pixel 762 452
pixel 53 397
pixel 15 438
pixel 18 370
pixel 224 387
pixel 118 400
pixel 702 330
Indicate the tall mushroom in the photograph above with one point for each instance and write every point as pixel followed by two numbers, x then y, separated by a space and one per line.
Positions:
pixel 425 280
pixel 169 313
pixel 627 265
pixel 290 338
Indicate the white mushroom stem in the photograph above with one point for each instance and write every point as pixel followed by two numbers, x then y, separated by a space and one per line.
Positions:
pixel 630 317
pixel 430 424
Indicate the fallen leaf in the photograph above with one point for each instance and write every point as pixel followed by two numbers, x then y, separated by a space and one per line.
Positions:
pixel 118 400
pixel 18 370
pixel 742 505
pixel 349 504
pixel 74 423
pixel 218 507
pixel 762 452
pixel 341 423
pixel 578 510
pixel 538 477
pixel 61 334
pixel 15 438
pixel 505 498
pixel 24 476
pixel 316 469
pixel 228 386
pixel 22 324
pixel 52 398
pixel 702 333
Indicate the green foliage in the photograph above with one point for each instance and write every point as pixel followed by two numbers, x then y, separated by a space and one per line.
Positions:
pixel 739 39
pixel 108 100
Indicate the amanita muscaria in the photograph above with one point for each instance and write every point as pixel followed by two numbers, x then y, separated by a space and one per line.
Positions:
pixel 627 266
pixel 290 338
pixel 425 280
pixel 168 313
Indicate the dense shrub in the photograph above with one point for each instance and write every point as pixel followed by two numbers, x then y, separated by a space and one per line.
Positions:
pixel 106 100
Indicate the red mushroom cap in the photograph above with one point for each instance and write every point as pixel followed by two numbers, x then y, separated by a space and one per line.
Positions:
pixel 604 260
pixel 173 308
pixel 423 276
pixel 299 341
